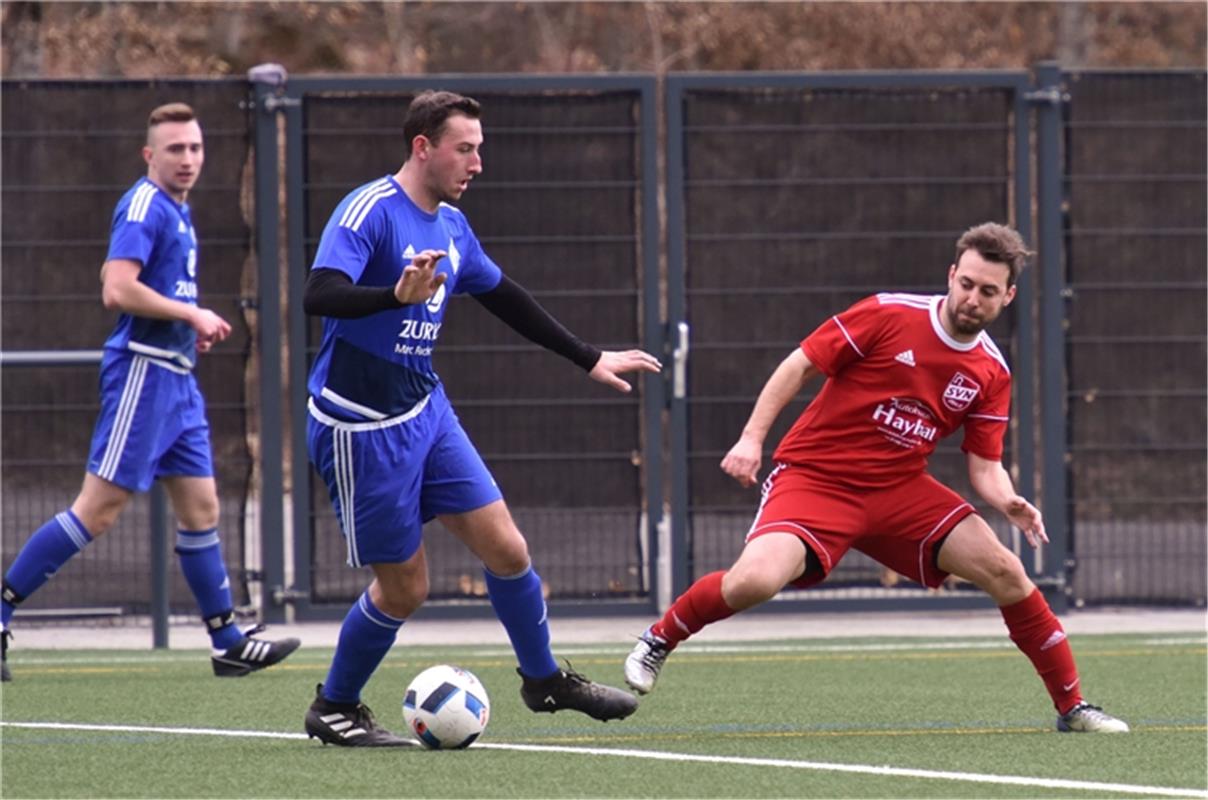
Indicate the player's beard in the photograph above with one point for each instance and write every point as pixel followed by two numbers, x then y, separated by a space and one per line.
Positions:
pixel 963 326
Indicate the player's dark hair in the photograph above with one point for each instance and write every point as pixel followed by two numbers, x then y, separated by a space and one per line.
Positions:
pixel 428 112
pixel 170 112
pixel 997 243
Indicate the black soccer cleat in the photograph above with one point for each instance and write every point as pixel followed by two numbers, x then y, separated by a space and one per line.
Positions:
pixel 347 724
pixel 251 654
pixel 5 635
pixel 569 689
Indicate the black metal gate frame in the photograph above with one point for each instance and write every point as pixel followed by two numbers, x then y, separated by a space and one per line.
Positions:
pixel 1048 572
pixel 288 100
pixel 670 336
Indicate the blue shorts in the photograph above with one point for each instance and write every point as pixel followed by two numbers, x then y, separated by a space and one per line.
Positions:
pixel 152 423
pixel 387 478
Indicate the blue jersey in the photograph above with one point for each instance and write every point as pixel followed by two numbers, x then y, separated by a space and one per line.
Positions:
pixel 153 229
pixel 380 366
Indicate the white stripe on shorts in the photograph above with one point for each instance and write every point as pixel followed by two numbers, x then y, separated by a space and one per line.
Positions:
pixel 125 417
pixel 341 445
pixel 765 490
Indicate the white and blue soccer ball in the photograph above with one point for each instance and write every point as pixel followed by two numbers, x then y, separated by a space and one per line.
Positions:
pixel 446 707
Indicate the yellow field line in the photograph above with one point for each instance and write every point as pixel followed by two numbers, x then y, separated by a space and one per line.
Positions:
pixel 807 734
pixel 685 658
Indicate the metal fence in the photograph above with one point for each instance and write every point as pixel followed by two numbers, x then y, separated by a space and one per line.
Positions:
pixel 70 149
pixel 786 197
pixel 566 205
pixel 793 197
pixel 1135 245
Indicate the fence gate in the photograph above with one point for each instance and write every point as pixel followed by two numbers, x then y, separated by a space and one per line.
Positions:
pixel 566 205
pixel 1132 305
pixel 70 149
pixel 792 196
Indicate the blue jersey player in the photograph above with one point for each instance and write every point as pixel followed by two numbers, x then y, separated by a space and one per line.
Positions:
pixel 152 423
pixel 383 434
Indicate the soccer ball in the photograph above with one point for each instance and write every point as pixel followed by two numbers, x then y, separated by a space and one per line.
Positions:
pixel 446 707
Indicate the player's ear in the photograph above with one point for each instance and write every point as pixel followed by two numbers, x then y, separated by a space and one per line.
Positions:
pixel 147 153
pixel 1009 296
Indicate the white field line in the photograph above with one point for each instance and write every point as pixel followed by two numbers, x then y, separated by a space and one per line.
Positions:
pixel 655 755
pixel 688 648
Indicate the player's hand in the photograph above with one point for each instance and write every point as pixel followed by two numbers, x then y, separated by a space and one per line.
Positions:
pixel 420 280
pixel 613 363
pixel 1027 518
pixel 742 462
pixel 210 328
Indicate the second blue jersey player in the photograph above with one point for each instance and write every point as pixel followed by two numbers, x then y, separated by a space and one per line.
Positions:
pixel 152 424
pixel 385 438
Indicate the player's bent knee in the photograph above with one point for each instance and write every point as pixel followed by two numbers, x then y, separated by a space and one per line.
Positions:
pixel 402 602
pixel 1003 577
pixel 507 558
pixel 98 520
pixel 743 589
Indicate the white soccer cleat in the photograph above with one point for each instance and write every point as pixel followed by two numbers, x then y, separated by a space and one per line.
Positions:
pixel 1085 718
pixel 644 662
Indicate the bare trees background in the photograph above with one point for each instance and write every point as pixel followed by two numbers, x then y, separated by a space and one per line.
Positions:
pixel 139 40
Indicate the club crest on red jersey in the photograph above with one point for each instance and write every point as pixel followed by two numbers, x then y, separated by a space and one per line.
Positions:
pixel 960 392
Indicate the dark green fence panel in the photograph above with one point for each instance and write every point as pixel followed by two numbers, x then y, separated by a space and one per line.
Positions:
pixel 1135 239
pixel 790 198
pixel 70 149
pixel 565 206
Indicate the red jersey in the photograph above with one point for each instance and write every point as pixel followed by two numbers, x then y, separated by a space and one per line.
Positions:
pixel 897 383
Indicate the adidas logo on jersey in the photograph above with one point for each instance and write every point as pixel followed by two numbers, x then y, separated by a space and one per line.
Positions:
pixel 906 357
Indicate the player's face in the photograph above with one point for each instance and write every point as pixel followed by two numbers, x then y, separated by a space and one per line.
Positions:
pixel 454 159
pixel 977 294
pixel 174 155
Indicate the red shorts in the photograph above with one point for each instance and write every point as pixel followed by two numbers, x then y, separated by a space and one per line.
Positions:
pixel 899 526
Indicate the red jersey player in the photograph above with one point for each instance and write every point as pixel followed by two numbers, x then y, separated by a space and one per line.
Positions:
pixel 903 371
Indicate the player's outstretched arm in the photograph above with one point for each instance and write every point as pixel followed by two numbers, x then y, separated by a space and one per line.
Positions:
pixel 743 460
pixel 516 307
pixel 990 480
pixel 613 364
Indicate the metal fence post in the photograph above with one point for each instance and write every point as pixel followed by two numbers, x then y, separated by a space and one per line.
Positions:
pixel 653 336
pixel 678 333
pixel 266 80
pixel 1050 217
pixel 160 565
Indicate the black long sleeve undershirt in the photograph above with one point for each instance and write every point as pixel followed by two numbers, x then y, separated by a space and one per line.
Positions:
pixel 522 313
pixel 331 293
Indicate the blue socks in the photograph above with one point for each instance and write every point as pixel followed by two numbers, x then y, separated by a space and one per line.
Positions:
pixel 52 545
pixel 201 561
pixel 365 637
pixel 520 607
pixel 47 550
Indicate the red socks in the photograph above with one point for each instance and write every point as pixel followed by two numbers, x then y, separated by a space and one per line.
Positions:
pixel 693 610
pixel 1040 636
pixel 1030 622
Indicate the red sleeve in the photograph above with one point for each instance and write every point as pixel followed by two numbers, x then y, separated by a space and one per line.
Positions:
pixel 845 337
pixel 986 423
